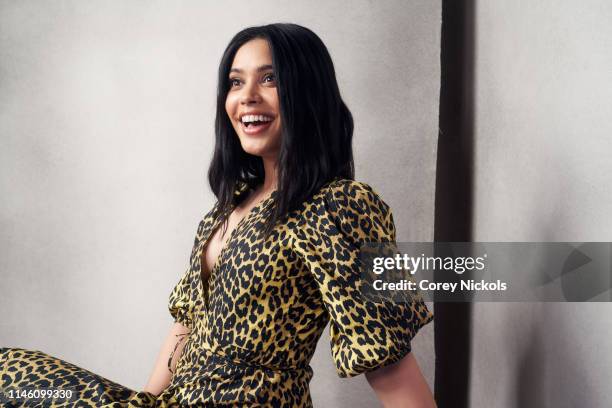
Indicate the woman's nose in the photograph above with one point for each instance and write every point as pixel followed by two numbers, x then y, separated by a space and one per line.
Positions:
pixel 250 94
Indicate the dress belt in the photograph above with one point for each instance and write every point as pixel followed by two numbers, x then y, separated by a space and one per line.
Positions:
pixel 221 359
pixel 181 338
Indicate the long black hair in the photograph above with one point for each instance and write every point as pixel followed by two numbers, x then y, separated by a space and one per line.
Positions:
pixel 316 125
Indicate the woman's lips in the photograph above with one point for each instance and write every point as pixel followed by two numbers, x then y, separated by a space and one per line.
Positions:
pixel 255 129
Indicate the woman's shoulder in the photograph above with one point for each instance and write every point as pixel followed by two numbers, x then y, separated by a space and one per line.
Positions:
pixel 241 188
pixel 346 198
pixel 353 208
pixel 342 192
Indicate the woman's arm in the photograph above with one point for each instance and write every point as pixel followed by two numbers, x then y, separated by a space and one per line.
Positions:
pixel 401 385
pixel 160 377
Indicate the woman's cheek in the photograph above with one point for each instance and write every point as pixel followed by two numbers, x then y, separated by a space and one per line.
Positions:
pixel 229 106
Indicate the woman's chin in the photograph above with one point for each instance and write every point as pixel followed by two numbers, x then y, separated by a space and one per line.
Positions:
pixel 257 149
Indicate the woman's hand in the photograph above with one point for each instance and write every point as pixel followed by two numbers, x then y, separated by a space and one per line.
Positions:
pixel 401 385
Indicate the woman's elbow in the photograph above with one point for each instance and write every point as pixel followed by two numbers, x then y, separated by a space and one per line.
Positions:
pixel 401 385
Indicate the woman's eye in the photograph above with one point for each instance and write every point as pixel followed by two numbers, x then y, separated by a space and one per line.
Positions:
pixel 234 82
pixel 269 78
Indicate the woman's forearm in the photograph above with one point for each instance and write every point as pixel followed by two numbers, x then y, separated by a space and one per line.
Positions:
pixel 160 376
pixel 401 385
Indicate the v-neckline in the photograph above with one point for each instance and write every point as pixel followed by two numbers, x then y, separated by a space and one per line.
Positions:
pixel 212 231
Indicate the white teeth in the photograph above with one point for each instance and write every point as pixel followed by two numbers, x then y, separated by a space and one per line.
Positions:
pixel 255 118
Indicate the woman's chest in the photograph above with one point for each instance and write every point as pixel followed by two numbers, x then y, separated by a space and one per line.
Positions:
pixel 252 271
pixel 216 239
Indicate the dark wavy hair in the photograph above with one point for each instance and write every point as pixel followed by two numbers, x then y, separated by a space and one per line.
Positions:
pixel 316 125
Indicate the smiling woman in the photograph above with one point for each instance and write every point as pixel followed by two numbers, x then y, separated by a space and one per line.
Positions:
pixel 252 101
pixel 277 258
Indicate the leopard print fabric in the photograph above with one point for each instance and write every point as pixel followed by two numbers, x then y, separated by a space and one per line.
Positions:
pixel 255 321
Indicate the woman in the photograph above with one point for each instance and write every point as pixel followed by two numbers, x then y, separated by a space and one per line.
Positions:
pixel 277 258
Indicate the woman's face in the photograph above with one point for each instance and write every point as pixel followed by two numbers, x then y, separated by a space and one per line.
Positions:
pixel 252 100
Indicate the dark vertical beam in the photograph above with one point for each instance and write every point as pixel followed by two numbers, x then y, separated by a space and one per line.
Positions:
pixel 454 190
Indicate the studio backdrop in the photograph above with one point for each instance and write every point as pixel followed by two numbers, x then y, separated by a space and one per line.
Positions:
pixel 106 127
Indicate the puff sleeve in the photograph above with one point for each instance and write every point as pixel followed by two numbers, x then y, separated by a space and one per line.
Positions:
pixel 365 335
pixel 180 302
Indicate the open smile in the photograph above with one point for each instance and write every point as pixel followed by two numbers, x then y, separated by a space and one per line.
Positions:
pixel 254 124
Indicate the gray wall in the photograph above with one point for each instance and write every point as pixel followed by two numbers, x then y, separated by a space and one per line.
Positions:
pixel 106 118
pixel 543 109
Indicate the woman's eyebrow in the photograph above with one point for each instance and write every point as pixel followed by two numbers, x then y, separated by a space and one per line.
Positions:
pixel 259 69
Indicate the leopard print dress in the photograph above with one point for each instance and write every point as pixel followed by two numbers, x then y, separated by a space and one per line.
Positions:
pixel 255 321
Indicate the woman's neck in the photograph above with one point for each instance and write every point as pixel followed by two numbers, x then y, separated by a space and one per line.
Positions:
pixel 271 175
